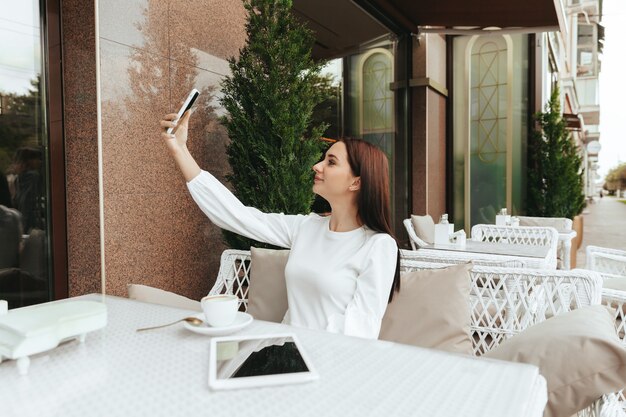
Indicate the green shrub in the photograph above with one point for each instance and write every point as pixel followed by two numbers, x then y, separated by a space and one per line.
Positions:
pixel 555 175
pixel 270 97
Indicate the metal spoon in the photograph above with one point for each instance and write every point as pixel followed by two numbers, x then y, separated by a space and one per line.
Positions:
pixel 194 321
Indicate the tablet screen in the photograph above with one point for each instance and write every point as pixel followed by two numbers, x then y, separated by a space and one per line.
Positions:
pixel 258 357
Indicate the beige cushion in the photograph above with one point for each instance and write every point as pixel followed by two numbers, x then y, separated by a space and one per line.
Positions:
pixel 267 294
pixel 424 227
pixel 559 223
pixel 157 296
pixel 431 310
pixel 578 353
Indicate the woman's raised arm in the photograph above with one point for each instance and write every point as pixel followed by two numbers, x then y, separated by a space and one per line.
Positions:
pixel 217 202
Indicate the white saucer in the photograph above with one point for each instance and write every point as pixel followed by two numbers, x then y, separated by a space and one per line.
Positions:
pixel 241 321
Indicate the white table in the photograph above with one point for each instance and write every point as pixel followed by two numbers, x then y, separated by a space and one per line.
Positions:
pixel 118 372
pixel 533 256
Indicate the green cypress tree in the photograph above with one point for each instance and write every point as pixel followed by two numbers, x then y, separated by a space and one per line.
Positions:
pixel 270 96
pixel 555 175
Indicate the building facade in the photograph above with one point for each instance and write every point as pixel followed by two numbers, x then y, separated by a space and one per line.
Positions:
pixel 449 101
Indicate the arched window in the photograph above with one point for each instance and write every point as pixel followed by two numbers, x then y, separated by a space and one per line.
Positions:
pixel 376 104
pixel 489 131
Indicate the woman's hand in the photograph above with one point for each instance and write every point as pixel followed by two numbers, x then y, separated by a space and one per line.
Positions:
pixel 177 144
pixel 177 140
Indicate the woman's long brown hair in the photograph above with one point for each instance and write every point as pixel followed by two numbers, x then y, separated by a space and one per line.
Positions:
pixel 370 163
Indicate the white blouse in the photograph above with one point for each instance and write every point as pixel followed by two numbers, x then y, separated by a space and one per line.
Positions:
pixel 336 281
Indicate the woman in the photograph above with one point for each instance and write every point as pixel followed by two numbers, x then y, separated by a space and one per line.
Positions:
pixel 342 268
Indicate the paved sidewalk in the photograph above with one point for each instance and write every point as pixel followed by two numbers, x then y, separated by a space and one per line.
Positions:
pixel 603 225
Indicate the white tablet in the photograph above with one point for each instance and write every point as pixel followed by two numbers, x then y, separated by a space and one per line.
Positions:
pixel 258 360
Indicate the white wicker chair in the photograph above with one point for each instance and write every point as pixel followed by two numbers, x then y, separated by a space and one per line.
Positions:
pixel 504 301
pixel 563 225
pixel 415 241
pixel 452 257
pixel 521 235
pixel 609 262
pixel 617 300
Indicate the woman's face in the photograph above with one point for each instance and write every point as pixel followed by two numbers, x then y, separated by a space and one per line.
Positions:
pixel 333 175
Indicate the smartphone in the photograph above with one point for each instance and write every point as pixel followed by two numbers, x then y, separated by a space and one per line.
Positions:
pixel 191 98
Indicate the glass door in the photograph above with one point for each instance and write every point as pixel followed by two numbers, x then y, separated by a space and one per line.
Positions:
pixel 24 180
pixel 490 112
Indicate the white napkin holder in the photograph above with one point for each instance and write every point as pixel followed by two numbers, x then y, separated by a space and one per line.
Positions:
pixel 503 219
pixel 459 238
pixel 443 231
pixel 38 328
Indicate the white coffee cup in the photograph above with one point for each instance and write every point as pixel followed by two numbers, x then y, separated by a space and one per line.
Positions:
pixel 220 310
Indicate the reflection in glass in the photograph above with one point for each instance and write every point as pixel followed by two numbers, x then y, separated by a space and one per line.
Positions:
pixel 376 73
pixel 258 357
pixel 24 211
pixel 586 54
pixel 330 110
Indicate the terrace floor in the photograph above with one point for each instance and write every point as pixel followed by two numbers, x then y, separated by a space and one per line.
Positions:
pixel 604 225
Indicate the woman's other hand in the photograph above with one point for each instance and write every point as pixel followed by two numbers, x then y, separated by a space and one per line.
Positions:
pixel 177 140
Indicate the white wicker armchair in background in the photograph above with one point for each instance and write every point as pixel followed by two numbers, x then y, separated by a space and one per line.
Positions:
pixel 564 226
pixel 415 241
pixel 609 262
pixel 617 300
pixel 506 301
pixel 520 235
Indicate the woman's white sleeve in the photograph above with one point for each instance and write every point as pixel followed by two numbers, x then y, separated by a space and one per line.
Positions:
pixel 227 212
pixel 364 313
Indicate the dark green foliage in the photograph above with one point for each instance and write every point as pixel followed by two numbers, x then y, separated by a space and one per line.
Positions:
pixel 20 122
pixel 555 176
pixel 270 98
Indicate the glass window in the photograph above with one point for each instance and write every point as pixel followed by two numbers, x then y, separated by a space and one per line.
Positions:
pixel 24 211
pixel 365 107
pixel 376 102
pixel 488 134
pixel 330 111
pixel 585 34
pixel 372 73
pixel 586 54
pixel 490 109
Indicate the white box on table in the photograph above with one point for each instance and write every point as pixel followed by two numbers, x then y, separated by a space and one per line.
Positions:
pixel 34 329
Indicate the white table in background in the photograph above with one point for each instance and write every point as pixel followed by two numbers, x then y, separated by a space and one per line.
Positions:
pixel 533 256
pixel 118 372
